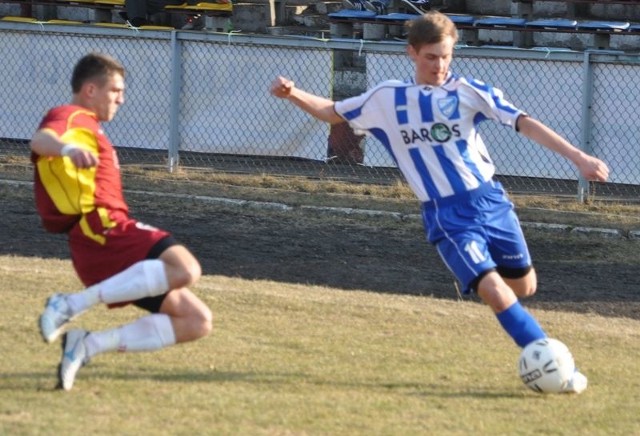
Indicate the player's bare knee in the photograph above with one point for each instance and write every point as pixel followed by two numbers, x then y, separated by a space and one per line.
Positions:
pixel 528 286
pixel 200 319
pixel 200 323
pixel 184 276
pixel 524 292
pixel 525 285
pixel 182 268
pixel 192 273
pixel 195 272
pixel 530 291
pixel 205 321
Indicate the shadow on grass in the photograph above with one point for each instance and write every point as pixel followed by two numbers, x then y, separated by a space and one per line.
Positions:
pixel 46 382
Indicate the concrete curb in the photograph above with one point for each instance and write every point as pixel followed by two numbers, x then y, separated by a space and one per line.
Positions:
pixel 549 227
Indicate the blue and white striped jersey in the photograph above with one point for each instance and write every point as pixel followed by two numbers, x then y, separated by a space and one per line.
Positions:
pixel 431 132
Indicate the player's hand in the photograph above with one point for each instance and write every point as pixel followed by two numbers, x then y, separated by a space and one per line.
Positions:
pixel 593 169
pixel 281 87
pixel 80 157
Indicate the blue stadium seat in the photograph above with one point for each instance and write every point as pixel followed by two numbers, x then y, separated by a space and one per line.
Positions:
pixel 603 26
pixel 396 17
pixel 466 20
pixel 350 14
pixel 399 16
pixel 499 22
pixel 554 23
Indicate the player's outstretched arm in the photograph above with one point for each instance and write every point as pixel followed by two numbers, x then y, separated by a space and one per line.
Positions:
pixel 590 167
pixel 47 143
pixel 319 107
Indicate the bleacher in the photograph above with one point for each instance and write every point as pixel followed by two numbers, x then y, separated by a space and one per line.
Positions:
pixel 572 24
pixel 526 23
pixel 46 11
pixel 106 13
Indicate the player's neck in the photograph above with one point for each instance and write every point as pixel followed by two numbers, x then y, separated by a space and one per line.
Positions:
pixel 79 101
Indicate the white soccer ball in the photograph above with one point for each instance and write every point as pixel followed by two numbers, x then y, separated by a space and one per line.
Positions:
pixel 546 366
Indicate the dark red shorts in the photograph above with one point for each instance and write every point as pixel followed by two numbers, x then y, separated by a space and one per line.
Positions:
pixel 101 247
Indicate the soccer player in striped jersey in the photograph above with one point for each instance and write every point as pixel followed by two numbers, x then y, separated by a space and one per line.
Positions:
pixel 78 191
pixel 429 126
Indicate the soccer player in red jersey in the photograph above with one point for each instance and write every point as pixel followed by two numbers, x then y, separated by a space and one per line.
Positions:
pixel 78 191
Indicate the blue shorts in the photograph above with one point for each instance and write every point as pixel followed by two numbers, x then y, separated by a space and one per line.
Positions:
pixel 477 232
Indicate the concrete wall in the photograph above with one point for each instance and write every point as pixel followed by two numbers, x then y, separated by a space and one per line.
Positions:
pixel 551 9
pixel 483 7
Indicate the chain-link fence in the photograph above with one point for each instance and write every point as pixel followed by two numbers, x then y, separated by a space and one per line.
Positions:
pixel 202 100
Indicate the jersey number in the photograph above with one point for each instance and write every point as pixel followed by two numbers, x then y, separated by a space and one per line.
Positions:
pixel 474 252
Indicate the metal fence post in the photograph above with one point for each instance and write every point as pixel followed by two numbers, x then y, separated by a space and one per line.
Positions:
pixel 585 141
pixel 174 110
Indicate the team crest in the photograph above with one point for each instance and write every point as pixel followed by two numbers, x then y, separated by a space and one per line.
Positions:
pixel 448 105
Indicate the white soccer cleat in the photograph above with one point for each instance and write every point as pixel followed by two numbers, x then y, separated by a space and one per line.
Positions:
pixel 56 314
pixel 74 357
pixel 577 384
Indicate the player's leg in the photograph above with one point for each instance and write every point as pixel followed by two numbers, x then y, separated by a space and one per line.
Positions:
pixel 177 316
pixel 516 320
pixel 513 317
pixel 191 319
pixel 519 277
pixel 146 278
pixel 175 268
pixel 156 284
pixel 136 261
pixel 508 246
pixel 524 286
pixel 513 275
pixel 181 267
pixel 467 254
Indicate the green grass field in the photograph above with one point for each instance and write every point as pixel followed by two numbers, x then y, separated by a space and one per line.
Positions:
pixel 299 360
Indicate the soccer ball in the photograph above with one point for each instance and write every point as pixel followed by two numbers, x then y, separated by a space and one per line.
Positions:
pixel 546 366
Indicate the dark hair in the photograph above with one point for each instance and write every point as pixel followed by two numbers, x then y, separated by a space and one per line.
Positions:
pixel 430 28
pixel 96 67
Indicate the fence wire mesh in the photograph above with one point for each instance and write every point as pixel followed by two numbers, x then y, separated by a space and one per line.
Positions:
pixel 202 101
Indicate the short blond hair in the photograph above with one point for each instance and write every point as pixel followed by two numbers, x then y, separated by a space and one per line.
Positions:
pixel 430 28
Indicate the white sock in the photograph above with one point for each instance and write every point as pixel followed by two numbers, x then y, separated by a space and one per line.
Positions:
pixel 145 334
pixel 146 278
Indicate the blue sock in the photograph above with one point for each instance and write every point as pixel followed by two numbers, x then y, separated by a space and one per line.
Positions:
pixel 520 324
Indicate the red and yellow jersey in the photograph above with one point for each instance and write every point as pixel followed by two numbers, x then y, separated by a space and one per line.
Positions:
pixel 65 194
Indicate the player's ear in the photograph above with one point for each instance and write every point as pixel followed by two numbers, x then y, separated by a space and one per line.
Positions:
pixel 89 89
pixel 411 51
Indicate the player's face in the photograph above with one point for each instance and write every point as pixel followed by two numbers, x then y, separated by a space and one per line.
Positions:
pixel 108 98
pixel 432 61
